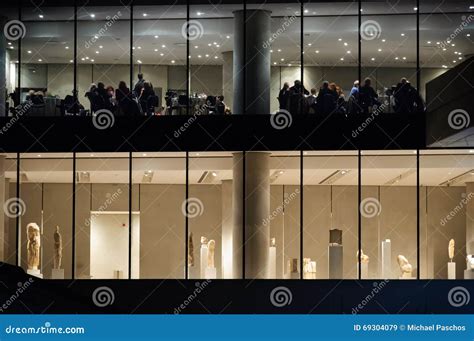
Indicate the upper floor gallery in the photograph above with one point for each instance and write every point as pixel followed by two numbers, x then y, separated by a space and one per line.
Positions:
pixel 343 68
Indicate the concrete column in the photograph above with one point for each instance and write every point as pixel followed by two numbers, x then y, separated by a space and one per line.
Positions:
pixel 228 78
pixel 257 211
pixel 255 60
pixel 3 183
pixel 469 218
pixel 227 228
pixel 3 66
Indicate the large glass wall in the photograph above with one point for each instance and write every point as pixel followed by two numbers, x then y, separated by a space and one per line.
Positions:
pixel 196 59
pixel 234 215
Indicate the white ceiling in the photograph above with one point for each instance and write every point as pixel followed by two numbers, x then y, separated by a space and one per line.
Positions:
pixel 378 168
pixel 332 35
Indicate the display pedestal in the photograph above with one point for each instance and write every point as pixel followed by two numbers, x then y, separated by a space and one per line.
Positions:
pixel 451 270
pixel 364 273
pixel 406 276
pixel 468 274
pixel 118 274
pixel 57 274
pixel 293 275
pixel 193 272
pixel 36 273
pixel 335 261
pixel 211 273
pixel 203 261
pixel 272 262
pixel 386 259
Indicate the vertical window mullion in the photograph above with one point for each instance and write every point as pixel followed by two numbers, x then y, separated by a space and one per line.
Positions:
pixel 73 256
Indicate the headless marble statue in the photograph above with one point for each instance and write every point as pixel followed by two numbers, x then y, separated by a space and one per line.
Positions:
pixel 470 262
pixel 58 249
pixel 33 246
pixel 451 250
pixel 405 266
pixel 211 246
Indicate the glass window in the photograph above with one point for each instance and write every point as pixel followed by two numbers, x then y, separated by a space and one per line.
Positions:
pixel 103 57
pixel 389 57
pixel 210 216
pixel 446 193
pixel 13 207
pixel 103 217
pixel 47 59
pixel 331 54
pixel 158 238
pixel 330 215
pixel 159 55
pixel 9 47
pixel 388 213
pixel 211 49
pixel 46 191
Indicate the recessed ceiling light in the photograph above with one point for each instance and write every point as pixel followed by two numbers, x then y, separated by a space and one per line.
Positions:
pixel 144 14
pixel 215 43
pixel 195 46
pixel 163 46
pixel 156 50
pixel 373 59
pixel 199 13
pixel 445 67
pixel 218 45
pixel 348 52
pixel 41 16
pixel 380 50
pixel 29 52
pixel 345 44
pixel 97 52
pixel 415 8
pixel 139 61
pixel 306 11
pixel 468 35
pixel 274 63
pixel 403 34
pixel 199 56
pixel 139 47
pixel 197 154
pixel 228 37
pixel 471 7
pixel 471 151
pixel 384 40
pixel 92 60
pixel 342 59
pixel 71 61
pixel 317 51
pixel 340 39
pixel 92 15
pixel 87 58
pixel 283 59
pixel 9 43
pixel 309 44
pixel 396 58
pixel 82 59
pixel 172 62
pixel 428 42
pixel 279 50
pixel 156 37
pixel 271 51
pixel 40 60
pixel 162 54
pixel 215 57
pixel 404 58
pixel 96 37
pixel 207 55
pixel 209 44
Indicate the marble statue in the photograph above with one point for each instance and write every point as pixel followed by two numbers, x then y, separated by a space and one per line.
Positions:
pixel 211 246
pixel 58 249
pixel 272 242
pixel 33 246
pixel 204 241
pixel 405 266
pixel 190 250
pixel 451 250
pixel 364 259
pixel 293 265
pixel 470 262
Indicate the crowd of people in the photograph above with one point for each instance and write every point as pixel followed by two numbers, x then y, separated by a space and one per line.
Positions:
pixel 142 100
pixel 363 99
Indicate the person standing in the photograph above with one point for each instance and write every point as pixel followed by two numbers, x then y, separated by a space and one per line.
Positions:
pixel 284 97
